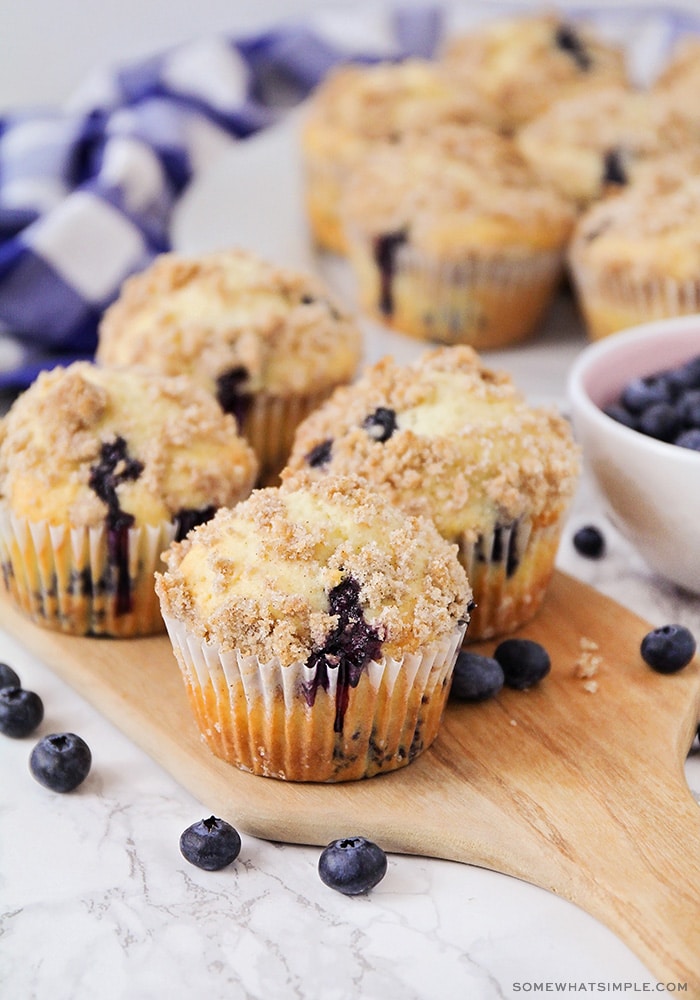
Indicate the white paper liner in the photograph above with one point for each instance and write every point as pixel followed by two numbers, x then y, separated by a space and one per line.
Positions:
pixel 257 715
pixel 486 302
pixel 62 578
pixel 506 600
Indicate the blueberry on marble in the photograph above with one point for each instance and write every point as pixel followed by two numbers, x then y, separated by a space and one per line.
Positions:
pixel 568 40
pixel 61 761
pixel 381 424
pixel 669 648
pixel 352 865
pixel 476 677
pixel 589 541
pixel 8 677
pixel 320 454
pixel 210 844
pixel 21 711
pixel 524 662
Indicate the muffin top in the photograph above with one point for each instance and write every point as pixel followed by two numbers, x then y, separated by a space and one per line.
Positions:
pixel 455 189
pixel 650 229
pixel 590 144
pixel 231 319
pixel 360 104
pixel 444 437
pixel 315 567
pixel 524 63
pixel 84 445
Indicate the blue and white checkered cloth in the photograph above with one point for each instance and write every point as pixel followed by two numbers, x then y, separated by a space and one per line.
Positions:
pixel 87 192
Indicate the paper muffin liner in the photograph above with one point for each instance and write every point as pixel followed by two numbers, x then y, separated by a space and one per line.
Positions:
pixel 81 580
pixel 509 569
pixel 277 721
pixel 486 302
pixel 269 425
pixel 613 302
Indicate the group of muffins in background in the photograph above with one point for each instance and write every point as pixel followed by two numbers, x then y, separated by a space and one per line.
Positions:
pixel 319 538
pixel 463 188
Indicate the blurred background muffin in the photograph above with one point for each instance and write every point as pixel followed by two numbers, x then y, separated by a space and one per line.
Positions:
pixel 99 470
pixel 268 343
pixel 357 106
pixel 521 64
pixel 450 439
pixel 452 237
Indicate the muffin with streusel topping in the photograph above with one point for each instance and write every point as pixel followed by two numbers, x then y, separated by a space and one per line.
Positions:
pixel 450 439
pixel 357 106
pixel 453 238
pixel 268 342
pixel 99 470
pixel 522 64
pixel 316 626
pixel 591 145
pixel 636 257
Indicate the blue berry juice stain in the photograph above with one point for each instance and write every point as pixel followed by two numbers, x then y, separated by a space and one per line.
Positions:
pixel 115 467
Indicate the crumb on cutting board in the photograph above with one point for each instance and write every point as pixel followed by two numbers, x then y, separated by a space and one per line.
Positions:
pixel 588 664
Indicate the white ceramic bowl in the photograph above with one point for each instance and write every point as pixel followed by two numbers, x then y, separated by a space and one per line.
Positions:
pixel 650 489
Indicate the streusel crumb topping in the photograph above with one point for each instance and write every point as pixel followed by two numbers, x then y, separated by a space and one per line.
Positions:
pixel 258 577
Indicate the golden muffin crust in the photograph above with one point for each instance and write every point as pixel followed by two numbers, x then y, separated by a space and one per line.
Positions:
pixel 231 312
pixel 162 443
pixel 257 578
pixel 650 230
pixel 590 144
pixel 524 63
pixel 455 190
pixel 445 437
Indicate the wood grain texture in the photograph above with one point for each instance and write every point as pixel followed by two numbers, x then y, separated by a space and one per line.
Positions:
pixel 581 793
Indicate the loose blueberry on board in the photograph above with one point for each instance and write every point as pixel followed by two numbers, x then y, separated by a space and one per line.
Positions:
pixel 210 844
pixel 352 865
pixel 589 541
pixel 669 648
pixel 476 677
pixel 8 677
pixel 61 761
pixel 524 662
pixel 21 712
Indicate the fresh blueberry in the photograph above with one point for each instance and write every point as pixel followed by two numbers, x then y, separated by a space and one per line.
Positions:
pixel 640 393
pixel 689 439
pixel 669 648
pixel 476 677
pixel 20 712
pixel 589 542
pixel 61 761
pixel 352 865
pixel 660 421
pixel 689 407
pixel 210 844
pixel 687 375
pixel 622 415
pixel 524 662
pixel 8 677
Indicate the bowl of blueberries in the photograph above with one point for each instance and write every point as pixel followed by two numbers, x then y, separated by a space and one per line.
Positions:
pixel 635 406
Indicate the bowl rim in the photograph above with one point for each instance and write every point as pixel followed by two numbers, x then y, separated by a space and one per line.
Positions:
pixel 581 402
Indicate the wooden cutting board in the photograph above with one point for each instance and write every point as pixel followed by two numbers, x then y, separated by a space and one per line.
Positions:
pixel 582 793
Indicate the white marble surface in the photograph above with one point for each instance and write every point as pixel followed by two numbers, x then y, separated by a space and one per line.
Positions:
pixel 96 901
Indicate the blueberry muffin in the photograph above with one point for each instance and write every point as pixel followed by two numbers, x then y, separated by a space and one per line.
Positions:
pixel 99 470
pixel 453 238
pixel 524 63
pixel 316 627
pixel 447 438
pixel 636 257
pixel 590 145
pixel 358 106
pixel 268 342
